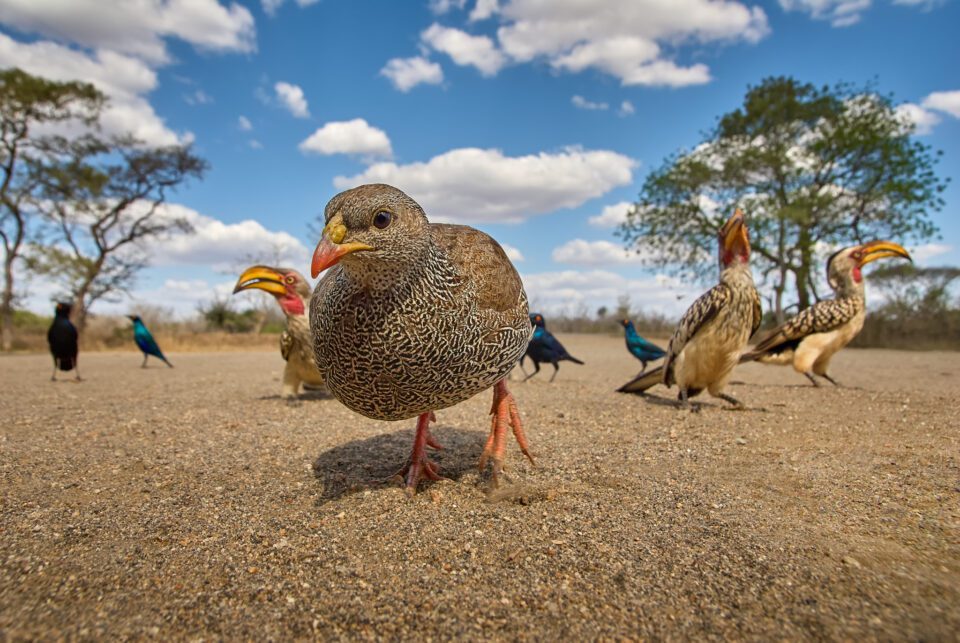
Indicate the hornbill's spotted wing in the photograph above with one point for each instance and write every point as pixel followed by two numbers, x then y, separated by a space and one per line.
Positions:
pixel 822 317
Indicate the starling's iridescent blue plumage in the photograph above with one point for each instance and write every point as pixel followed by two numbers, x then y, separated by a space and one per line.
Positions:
pixel 62 338
pixel 146 342
pixel 544 347
pixel 640 348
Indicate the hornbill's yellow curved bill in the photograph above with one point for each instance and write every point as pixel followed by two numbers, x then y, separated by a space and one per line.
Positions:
pixel 714 330
pixel 292 292
pixel 810 339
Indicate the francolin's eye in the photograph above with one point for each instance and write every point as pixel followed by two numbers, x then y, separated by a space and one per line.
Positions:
pixel 382 219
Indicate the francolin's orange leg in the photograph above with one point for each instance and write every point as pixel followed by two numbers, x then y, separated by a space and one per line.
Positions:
pixel 420 464
pixel 504 413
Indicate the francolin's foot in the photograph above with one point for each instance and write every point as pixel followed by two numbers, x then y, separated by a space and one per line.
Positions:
pixel 420 464
pixel 504 412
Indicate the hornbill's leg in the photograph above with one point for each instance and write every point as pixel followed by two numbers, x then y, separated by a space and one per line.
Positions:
pixel 812 378
pixel 737 404
pixel 830 379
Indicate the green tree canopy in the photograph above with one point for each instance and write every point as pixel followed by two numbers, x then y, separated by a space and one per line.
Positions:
pixel 814 168
pixel 103 202
pixel 29 108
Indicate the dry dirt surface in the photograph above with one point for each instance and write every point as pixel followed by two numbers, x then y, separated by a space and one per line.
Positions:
pixel 194 503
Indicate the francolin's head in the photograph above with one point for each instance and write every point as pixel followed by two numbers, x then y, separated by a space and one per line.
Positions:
pixel 844 266
pixel 733 241
pixel 372 228
pixel 290 288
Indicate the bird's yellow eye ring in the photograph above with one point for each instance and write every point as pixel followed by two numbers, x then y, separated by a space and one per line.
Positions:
pixel 289 279
pixel 382 219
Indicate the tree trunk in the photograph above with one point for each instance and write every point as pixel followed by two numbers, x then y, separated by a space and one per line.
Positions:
pixel 802 273
pixel 778 296
pixel 6 306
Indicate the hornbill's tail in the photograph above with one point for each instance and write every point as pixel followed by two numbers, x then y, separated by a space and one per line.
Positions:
pixel 643 381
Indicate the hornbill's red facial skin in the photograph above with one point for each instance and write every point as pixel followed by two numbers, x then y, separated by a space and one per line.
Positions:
pixel 288 286
pixel 292 292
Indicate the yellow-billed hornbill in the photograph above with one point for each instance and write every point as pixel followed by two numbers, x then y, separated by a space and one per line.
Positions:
pixel 714 330
pixel 810 339
pixel 292 292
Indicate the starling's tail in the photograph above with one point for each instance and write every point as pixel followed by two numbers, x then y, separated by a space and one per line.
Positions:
pixel 65 363
pixel 166 361
pixel 643 381
pixel 571 358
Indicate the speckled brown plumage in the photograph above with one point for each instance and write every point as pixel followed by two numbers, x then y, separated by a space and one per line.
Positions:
pixel 426 316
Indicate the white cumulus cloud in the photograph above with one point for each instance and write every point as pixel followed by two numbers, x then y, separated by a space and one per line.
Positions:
pixel 465 49
pixel 594 254
pixel 623 37
pixel 291 96
pixel 244 124
pixel 582 103
pixel 922 120
pixel 626 108
pixel 924 253
pixel 948 102
pixel 567 290
pixel 356 137
pixel 407 73
pixel 513 254
pixel 840 13
pixel 116 45
pixel 137 28
pixel 483 9
pixel 222 245
pixel 476 185
pixel 612 215
pixel 122 78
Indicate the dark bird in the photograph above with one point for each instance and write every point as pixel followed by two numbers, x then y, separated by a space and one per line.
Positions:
pixel 415 316
pixel 292 292
pixel 712 333
pixel 544 347
pixel 62 338
pixel 642 349
pixel 146 342
pixel 816 334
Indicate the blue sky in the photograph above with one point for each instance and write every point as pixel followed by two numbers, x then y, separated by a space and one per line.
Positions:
pixel 534 121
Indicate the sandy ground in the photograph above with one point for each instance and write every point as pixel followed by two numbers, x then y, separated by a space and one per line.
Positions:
pixel 194 503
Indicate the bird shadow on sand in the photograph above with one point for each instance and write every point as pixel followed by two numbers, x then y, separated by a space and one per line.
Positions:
pixel 373 463
pixel 307 395
pixel 697 405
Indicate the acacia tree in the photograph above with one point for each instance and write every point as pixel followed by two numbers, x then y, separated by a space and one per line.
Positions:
pixel 29 106
pixel 813 168
pixel 104 200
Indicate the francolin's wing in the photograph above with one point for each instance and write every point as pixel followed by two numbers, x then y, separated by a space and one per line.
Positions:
pixel 481 258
